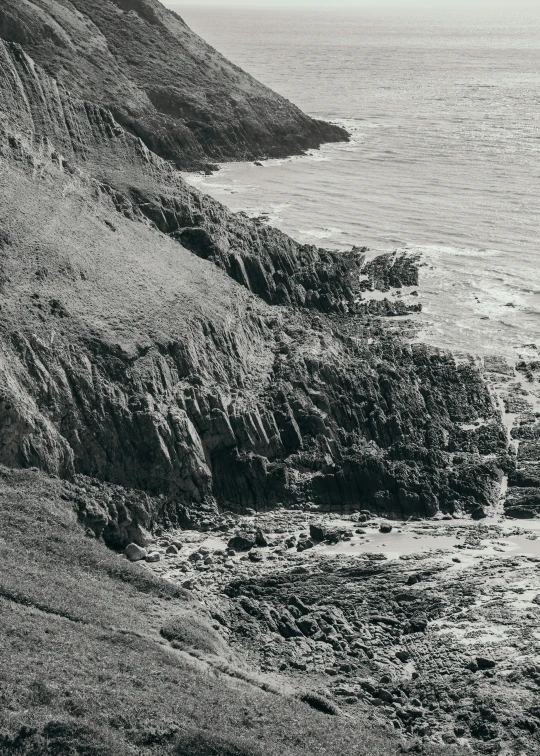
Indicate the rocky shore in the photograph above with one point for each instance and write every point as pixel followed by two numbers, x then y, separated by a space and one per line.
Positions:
pixel 429 627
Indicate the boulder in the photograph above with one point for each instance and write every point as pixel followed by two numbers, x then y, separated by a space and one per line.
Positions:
pixel 135 553
pixel 307 625
pixel 520 513
pixel 318 531
pixel 260 538
pixel 241 542
pixel 171 550
pixel 385 528
pixel 483 663
pixel 153 557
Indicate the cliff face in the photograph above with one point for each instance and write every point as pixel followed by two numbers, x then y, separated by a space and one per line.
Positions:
pixel 154 340
pixel 161 81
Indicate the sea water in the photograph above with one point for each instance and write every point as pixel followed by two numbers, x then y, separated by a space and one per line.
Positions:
pixel 444 157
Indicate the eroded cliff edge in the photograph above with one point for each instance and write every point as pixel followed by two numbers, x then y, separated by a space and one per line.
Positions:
pixel 153 340
pixel 161 81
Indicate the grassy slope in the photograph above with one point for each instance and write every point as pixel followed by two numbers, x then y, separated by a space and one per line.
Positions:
pixel 83 668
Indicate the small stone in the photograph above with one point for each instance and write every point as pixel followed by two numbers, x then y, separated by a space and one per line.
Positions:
pixel 188 585
pixel 299 665
pixel 135 553
pixel 385 695
pixel 171 550
pixel 153 557
pixel 385 528
pixel 403 655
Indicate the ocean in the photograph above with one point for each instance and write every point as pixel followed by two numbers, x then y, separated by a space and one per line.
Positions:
pixel 444 157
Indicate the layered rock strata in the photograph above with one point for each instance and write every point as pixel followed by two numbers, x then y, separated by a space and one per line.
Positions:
pixel 154 340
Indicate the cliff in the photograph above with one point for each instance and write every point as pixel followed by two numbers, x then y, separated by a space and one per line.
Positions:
pixel 160 81
pixel 153 340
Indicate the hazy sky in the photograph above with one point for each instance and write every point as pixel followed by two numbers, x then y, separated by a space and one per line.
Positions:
pixel 432 5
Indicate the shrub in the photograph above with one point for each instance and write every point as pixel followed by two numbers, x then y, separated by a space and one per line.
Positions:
pixel 321 703
pixel 187 631
pixel 212 745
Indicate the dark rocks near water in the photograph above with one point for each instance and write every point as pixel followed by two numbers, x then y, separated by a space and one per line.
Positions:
pixel 309 401
pixel 241 543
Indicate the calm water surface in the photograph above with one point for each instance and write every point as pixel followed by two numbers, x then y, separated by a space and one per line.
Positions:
pixel 444 114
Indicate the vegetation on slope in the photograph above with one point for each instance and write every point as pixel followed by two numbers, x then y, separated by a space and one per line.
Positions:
pixel 160 80
pixel 84 668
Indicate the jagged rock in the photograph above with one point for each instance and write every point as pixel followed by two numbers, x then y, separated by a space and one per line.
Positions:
pixel 135 553
pixel 196 404
pixel 308 625
pixel 260 539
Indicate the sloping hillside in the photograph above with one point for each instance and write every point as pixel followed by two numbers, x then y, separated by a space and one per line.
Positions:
pixel 160 80
pixel 85 667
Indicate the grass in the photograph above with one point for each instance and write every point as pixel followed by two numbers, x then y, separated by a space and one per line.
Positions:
pixel 86 666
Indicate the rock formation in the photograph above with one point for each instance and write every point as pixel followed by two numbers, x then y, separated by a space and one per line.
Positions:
pixel 155 340
pixel 160 80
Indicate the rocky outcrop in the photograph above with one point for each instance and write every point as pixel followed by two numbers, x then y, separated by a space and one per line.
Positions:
pixel 158 342
pixel 184 100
